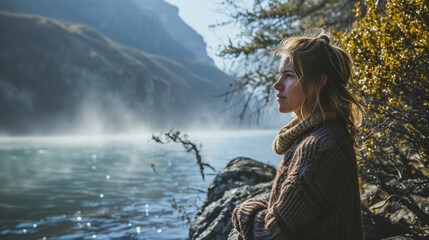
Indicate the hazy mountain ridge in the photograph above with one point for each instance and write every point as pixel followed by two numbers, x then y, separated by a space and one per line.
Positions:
pixel 56 76
pixel 150 25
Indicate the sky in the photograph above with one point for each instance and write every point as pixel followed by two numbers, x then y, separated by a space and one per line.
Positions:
pixel 200 14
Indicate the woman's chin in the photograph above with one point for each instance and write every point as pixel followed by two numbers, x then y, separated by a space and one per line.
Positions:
pixel 283 110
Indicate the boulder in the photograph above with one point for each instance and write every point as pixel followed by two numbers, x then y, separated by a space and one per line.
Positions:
pixel 241 179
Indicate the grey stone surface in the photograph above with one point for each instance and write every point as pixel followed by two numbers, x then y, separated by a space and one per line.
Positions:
pixel 241 179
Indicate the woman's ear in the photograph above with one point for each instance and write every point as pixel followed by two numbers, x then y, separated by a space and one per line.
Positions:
pixel 323 79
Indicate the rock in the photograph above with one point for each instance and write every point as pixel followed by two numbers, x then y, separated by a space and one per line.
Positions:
pixel 241 179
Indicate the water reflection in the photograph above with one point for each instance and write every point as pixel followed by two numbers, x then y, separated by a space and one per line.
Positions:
pixel 59 189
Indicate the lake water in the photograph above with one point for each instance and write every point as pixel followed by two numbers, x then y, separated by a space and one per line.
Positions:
pixel 105 187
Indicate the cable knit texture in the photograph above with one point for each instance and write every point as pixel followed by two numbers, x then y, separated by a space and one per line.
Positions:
pixel 289 133
pixel 315 194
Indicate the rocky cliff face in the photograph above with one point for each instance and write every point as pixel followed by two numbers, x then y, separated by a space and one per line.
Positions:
pixel 176 28
pixel 56 75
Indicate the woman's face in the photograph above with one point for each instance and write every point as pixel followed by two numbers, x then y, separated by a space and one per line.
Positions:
pixel 289 95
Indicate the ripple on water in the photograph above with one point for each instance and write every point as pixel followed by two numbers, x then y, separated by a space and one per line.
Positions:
pixel 110 187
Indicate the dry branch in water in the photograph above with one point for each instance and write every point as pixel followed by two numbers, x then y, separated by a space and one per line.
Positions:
pixel 189 146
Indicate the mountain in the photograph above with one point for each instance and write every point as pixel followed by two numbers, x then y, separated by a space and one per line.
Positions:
pixel 149 25
pixel 57 76
pixel 177 29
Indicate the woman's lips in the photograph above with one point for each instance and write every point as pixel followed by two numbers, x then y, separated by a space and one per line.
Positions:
pixel 280 97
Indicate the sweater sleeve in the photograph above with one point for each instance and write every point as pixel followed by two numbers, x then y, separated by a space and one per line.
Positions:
pixel 243 216
pixel 305 193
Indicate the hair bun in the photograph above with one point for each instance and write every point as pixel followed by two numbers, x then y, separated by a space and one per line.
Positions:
pixel 325 38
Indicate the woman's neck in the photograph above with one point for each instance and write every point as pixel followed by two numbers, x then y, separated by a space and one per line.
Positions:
pixel 301 114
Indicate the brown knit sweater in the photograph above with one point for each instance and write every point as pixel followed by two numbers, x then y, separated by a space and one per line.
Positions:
pixel 315 193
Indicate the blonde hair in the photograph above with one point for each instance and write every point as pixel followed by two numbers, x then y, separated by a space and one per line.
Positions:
pixel 312 56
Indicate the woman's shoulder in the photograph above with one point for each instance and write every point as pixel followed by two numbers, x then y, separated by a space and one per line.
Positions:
pixel 320 148
pixel 329 135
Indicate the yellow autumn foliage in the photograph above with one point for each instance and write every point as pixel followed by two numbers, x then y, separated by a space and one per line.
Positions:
pixel 390 48
pixel 390 51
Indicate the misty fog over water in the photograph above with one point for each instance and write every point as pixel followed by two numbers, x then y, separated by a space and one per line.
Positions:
pixel 106 66
pixel 105 188
pixel 94 80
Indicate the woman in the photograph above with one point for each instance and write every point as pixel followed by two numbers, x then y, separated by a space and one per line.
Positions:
pixel 315 194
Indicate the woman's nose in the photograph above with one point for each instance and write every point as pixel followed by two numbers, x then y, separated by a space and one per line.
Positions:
pixel 277 85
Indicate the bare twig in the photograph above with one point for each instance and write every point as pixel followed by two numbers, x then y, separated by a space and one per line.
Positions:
pixel 189 146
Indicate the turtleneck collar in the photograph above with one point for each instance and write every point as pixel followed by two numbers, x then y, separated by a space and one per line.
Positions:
pixel 296 128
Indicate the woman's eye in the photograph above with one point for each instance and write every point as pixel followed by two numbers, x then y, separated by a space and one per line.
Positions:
pixel 285 75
